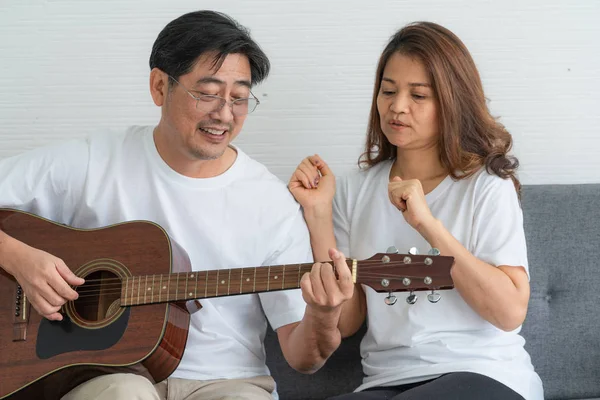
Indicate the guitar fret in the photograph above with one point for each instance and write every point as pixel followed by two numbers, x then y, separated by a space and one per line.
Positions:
pixel 206 285
pixel 186 284
pixel 139 286
pixel 177 287
pixel 217 285
pixel 277 272
pixel 254 283
pixel 283 278
pixel 228 282
pixel 145 290
pixel 160 288
pixel 299 267
pixel 190 293
pixel 196 290
pixel 247 277
pixel 268 277
pixel 241 279
pixel 152 301
pixel 169 289
pixel 125 296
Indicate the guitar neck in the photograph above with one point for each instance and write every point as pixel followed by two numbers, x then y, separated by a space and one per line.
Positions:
pixel 152 289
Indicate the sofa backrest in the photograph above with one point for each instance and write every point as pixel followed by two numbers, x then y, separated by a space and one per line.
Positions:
pixel 562 329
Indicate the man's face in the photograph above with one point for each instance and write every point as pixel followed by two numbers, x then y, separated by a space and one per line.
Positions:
pixel 201 128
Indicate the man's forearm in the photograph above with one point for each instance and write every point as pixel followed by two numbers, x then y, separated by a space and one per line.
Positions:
pixel 311 341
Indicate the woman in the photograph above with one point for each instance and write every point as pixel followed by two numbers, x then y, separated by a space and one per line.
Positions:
pixel 435 174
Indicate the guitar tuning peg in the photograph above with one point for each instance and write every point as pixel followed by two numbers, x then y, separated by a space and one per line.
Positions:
pixel 390 300
pixel 392 250
pixel 433 297
pixel 413 250
pixel 412 298
pixel 433 252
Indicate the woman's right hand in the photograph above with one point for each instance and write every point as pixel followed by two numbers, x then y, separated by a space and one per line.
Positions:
pixel 313 184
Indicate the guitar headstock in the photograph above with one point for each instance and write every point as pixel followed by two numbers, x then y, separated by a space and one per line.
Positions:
pixel 393 272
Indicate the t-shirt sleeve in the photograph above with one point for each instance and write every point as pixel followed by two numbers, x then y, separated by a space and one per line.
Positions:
pixel 341 221
pixel 287 306
pixel 498 234
pixel 47 181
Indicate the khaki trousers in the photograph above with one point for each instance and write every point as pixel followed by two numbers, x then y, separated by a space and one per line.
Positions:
pixel 135 387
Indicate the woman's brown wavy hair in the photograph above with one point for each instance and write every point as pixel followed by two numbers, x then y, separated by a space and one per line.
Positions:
pixel 469 136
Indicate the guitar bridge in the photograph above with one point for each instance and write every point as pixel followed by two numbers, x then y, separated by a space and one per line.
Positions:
pixel 21 315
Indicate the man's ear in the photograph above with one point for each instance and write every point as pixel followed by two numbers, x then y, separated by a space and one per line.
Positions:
pixel 159 86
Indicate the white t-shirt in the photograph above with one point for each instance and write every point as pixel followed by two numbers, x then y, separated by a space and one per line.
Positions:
pixel 242 218
pixel 410 343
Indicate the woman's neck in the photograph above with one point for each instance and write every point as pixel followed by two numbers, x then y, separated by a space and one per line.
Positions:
pixel 423 164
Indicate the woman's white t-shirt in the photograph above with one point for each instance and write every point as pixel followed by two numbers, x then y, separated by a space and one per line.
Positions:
pixel 410 343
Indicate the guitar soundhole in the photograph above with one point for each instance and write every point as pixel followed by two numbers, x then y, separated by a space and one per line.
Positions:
pixel 98 297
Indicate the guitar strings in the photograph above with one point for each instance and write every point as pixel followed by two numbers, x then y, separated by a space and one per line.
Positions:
pixel 212 280
pixel 366 265
pixel 360 264
pixel 145 294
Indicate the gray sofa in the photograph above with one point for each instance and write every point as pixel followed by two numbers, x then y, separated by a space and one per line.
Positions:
pixel 562 329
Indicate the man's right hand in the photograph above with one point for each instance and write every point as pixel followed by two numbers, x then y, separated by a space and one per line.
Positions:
pixel 44 278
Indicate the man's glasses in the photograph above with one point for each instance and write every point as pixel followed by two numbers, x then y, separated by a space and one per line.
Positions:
pixel 211 103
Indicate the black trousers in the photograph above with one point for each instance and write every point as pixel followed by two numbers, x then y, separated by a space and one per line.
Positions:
pixel 453 386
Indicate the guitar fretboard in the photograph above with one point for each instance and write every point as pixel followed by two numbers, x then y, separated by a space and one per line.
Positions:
pixel 150 289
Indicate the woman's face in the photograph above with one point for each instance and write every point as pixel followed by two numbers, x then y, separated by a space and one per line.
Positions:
pixel 407 104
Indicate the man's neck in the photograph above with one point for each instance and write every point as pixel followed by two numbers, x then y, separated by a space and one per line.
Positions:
pixel 186 164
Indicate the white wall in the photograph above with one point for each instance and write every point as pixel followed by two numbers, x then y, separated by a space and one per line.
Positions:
pixel 69 67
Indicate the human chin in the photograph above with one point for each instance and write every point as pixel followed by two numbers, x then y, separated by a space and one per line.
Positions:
pixel 395 138
pixel 204 146
pixel 200 152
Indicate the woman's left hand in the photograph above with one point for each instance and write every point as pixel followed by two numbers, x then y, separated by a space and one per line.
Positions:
pixel 408 197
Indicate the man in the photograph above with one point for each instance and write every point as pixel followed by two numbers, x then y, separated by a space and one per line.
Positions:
pixel 224 208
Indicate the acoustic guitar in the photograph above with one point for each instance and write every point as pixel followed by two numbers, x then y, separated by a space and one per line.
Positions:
pixel 131 315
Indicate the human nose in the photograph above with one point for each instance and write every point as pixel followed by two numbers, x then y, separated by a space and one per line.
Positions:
pixel 400 104
pixel 224 112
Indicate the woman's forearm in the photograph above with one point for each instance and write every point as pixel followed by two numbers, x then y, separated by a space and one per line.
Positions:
pixel 500 295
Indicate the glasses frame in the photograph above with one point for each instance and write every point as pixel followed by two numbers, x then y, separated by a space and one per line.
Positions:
pixel 222 100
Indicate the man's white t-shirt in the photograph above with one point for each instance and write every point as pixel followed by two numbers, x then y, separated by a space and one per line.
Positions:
pixel 410 343
pixel 244 217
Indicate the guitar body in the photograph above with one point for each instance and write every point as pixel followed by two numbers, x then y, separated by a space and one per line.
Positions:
pixel 41 359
